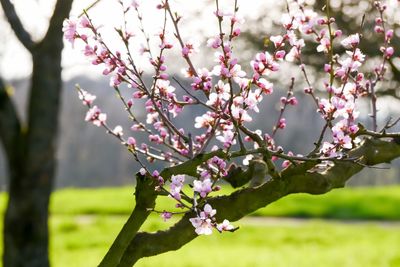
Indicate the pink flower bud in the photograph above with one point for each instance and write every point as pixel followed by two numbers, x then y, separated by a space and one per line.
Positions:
pixel 129 103
pixel 216 188
pixel 280 54
pixel 293 101
pixel 185 51
pixel 131 141
pixel 360 77
pixel 164 76
pixel 327 68
pixel 236 32
pixel 389 52
pixel 321 21
pixel 338 33
pixel 378 29
pixel 308 90
pixel 282 123
pixel 285 164
pixel 389 34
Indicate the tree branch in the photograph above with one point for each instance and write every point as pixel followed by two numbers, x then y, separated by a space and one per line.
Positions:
pixel 61 11
pixel 10 126
pixel 298 178
pixel 189 167
pixel 372 152
pixel 23 36
pixel 145 196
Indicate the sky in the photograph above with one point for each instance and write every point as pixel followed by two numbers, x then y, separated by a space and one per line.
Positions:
pixel 35 14
pixel 15 60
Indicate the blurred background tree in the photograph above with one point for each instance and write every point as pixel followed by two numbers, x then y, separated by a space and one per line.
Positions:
pixel 30 146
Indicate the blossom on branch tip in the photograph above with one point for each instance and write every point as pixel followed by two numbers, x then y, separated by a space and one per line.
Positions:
pixel 87 99
pixel 131 142
pixel 94 115
pixel 225 226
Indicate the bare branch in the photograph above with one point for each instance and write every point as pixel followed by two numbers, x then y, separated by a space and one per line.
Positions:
pixel 61 11
pixel 23 36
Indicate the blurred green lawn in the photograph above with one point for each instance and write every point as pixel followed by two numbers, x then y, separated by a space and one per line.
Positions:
pixel 378 203
pixel 85 222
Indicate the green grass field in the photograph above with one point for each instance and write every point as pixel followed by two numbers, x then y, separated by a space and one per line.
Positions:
pixel 378 203
pixel 82 241
pixel 85 222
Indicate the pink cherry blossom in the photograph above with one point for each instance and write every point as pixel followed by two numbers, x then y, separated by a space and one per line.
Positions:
pixel 94 115
pixel 87 99
pixel 225 226
pixel 214 42
pixel 202 226
pixel 227 138
pixel 202 187
pixel 277 40
pixel 69 29
pixel 351 41
pixel 324 45
pixel 203 222
pixel 176 186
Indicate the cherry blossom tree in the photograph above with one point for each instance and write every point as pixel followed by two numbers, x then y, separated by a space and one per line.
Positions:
pixel 220 145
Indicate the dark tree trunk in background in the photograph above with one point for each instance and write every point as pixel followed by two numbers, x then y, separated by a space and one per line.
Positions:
pixel 31 148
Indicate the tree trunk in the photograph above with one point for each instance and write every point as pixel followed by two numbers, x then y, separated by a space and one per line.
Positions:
pixel 31 149
pixel 32 170
pixel 26 220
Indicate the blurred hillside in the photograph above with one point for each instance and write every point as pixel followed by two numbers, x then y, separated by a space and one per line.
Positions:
pixel 89 157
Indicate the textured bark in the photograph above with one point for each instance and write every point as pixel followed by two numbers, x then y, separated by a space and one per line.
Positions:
pixel 302 178
pixel 31 149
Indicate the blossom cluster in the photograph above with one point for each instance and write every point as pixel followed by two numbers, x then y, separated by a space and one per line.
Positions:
pixel 228 96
